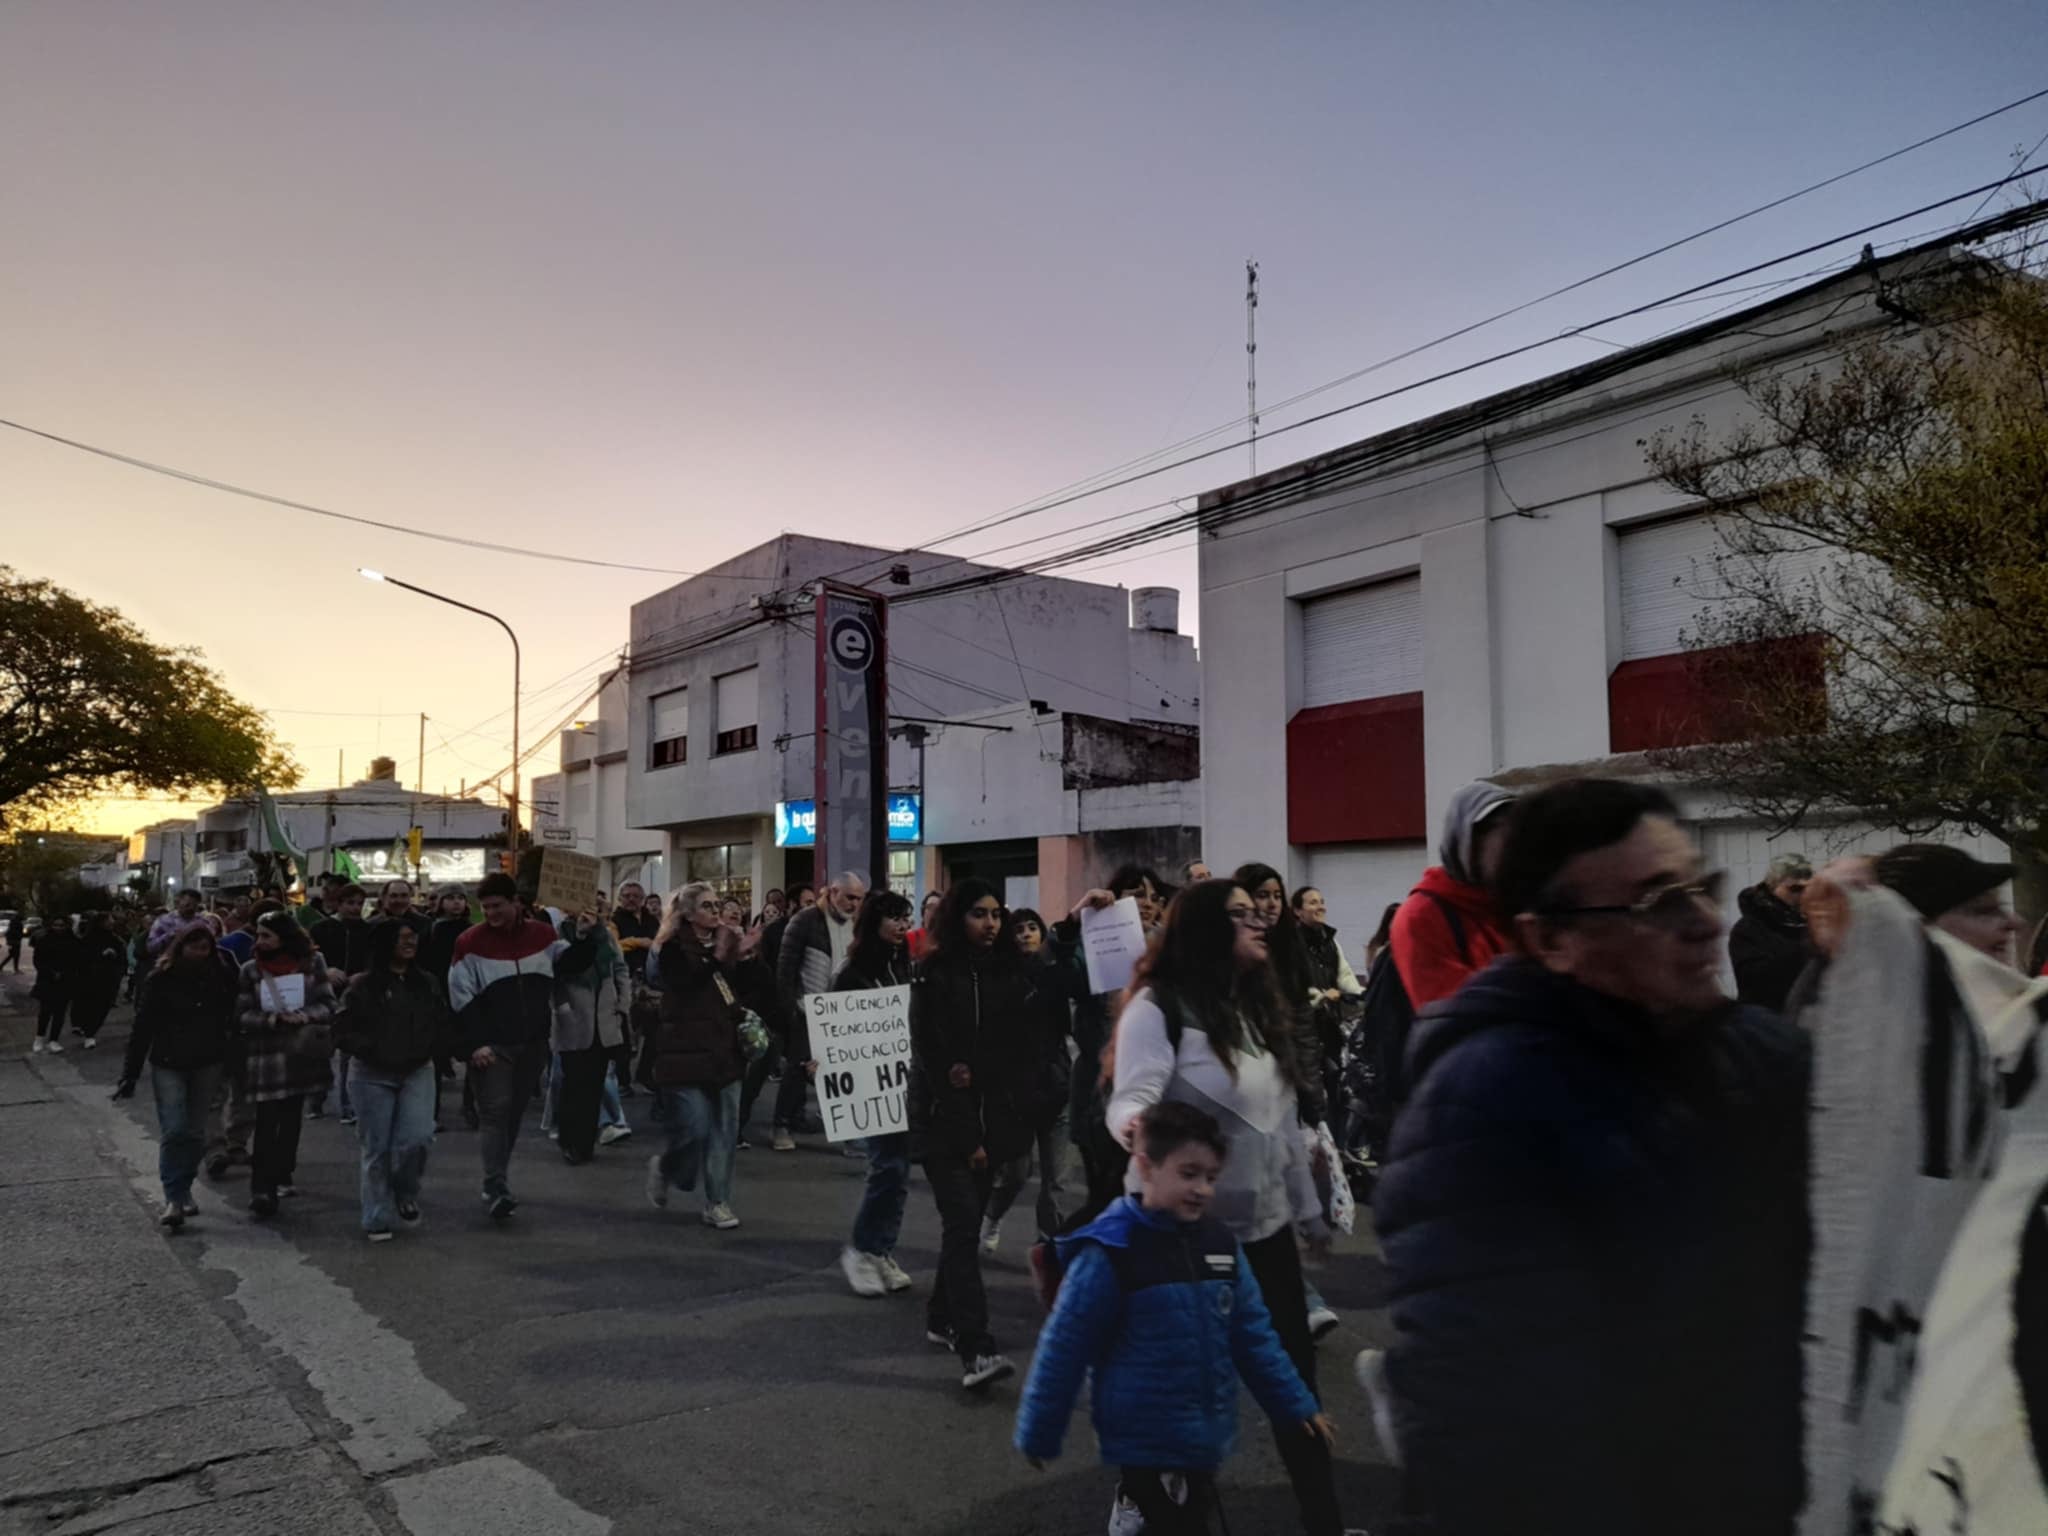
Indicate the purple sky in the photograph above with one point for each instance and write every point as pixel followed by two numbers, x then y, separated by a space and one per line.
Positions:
pixel 649 282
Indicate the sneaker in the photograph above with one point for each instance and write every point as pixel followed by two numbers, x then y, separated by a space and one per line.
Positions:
pixel 986 1370
pixel 217 1166
pixel 575 1159
pixel 554 1135
pixel 657 1183
pixel 991 1238
pixel 409 1213
pixel 316 1111
pixel 189 1206
pixel 35 1047
pixel 720 1216
pixel 784 1142
pixel 613 1133
pixel 945 1338
pixel 1371 1370
pixel 381 1235
pixel 287 1191
pixel 743 1145
pixel 262 1206
pixel 863 1272
pixel 92 1042
pixel 54 1047
pixel 894 1275
pixel 1322 1322
pixel 500 1207
pixel 348 1117
pixel 172 1216
pixel 1125 1518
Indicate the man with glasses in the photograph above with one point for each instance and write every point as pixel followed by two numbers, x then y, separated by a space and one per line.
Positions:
pixel 1594 1211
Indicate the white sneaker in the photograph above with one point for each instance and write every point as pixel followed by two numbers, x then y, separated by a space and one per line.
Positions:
pixel 92 1042
pixel 720 1216
pixel 1371 1370
pixel 986 1371
pixel 657 1183
pixel 612 1133
pixel 991 1238
pixel 1321 1321
pixel 54 1047
pixel 894 1275
pixel 863 1272
pixel 35 1047
pixel 1125 1518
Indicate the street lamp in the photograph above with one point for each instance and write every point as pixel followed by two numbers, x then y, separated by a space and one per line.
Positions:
pixel 512 801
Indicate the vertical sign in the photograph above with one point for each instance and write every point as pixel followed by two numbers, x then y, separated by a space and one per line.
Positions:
pixel 853 739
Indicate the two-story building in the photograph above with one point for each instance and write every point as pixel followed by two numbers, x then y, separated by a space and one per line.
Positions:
pixel 1501 591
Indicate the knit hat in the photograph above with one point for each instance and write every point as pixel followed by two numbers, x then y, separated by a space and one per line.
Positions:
pixel 1936 878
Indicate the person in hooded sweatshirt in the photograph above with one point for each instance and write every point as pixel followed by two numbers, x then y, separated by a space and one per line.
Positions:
pixel 1769 947
pixel 1448 930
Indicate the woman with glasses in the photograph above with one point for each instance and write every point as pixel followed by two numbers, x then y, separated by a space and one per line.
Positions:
pixel 1206 1024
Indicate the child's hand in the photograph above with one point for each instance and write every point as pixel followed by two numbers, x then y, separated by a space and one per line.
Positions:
pixel 1322 1429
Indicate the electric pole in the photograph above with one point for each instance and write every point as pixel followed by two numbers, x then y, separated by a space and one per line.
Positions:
pixel 1251 354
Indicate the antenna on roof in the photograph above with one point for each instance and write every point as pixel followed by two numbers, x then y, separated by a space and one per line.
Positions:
pixel 1251 353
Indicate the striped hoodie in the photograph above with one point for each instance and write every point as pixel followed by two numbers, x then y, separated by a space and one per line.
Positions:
pixel 501 983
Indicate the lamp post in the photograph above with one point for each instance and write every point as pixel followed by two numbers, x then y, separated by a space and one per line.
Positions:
pixel 512 801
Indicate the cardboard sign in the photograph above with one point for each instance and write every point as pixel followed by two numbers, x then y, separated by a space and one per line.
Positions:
pixel 1112 942
pixel 861 1041
pixel 568 881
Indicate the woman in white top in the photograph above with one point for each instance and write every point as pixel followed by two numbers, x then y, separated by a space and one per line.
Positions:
pixel 1204 1024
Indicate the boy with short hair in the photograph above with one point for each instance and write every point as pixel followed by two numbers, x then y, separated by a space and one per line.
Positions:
pixel 1158 1302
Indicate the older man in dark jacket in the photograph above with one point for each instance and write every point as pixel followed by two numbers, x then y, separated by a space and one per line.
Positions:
pixel 1594 1210
pixel 1769 947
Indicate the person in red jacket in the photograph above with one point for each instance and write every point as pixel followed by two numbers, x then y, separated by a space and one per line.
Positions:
pixel 1447 930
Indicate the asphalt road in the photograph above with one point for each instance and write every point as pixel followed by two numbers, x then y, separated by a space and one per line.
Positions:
pixel 644 1370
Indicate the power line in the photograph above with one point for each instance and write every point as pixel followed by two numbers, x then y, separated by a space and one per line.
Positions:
pixel 1041 504
pixel 211 484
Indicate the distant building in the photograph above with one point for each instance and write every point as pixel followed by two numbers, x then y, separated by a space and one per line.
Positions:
pixel 1501 591
pixel 585 800
pixel 366 821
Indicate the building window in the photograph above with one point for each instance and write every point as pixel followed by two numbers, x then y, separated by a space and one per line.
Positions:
pixel 735 711
pixel 1354 748
pixel 236 841
pixel 727 868
pixel 669 728
pixel 903 871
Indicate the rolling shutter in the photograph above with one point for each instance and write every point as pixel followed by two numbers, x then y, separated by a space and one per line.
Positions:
pixel 735 702
pixel 1362 644
pixel 1668 577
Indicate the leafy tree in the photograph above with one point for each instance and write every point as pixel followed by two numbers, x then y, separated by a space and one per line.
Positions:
pixel 90 705
pixel 1884 639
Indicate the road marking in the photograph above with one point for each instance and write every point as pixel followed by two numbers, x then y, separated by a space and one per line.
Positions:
pixel 368 1377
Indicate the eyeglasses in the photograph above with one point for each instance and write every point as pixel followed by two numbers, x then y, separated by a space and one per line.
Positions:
pixel 1668 906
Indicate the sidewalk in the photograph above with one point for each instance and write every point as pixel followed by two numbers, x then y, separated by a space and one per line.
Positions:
pixel 133 1408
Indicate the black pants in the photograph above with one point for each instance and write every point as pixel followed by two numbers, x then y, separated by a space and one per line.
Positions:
pixel 13 959
pixel 959 1302
pixel 577 1098
pixel 90 1011
pixel 1103 1164
pixel 1276 1265
pixel 755 1080
pixel 274 1150
pixel 50 1012
pixel 790 1094
pixel 1146 1488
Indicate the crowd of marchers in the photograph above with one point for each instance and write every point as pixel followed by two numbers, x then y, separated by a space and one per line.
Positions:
pixel 1592 1173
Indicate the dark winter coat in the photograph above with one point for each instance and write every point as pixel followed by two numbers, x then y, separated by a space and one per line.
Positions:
pixel 186 1020
pixel 395 1023
pixel 1769 948
pixel 1597 1235
pixel 99 962
pixel 343 942
pixel 1166 1316
pixel 698 1042
pixel 636 931
pixel 55 953
pixel 437 950
pixel 1004 1021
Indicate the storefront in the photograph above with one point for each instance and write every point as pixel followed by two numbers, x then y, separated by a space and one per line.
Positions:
pixel 796 832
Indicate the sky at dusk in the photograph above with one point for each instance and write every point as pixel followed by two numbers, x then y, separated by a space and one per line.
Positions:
pixel 650 282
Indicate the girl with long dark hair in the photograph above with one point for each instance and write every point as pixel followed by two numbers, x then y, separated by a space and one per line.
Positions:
pixel 286 1009
pixel 880 957
pixel 183 1030
pixel 1287 951
pixel 394 1020
pixel 987 1066
pixel 1206 1024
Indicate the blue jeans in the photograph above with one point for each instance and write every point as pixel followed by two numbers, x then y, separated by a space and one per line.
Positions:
pixel 880 1221
pixel 395 1125
pixel 611 1109
pixel 703 1124
pixel 183 1097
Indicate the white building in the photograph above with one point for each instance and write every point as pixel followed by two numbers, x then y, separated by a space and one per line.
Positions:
pixel 720 703
pixel 161 855
pixel 1501 591
pixel 586 798
pixel 368 821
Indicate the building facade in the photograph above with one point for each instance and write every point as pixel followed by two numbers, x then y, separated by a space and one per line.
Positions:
pixel 583 804
pixel 1503 591
pixel 360 827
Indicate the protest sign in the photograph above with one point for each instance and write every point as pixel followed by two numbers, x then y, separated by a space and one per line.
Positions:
pixel 568 881
pixel 861 1042
pixel 1112 941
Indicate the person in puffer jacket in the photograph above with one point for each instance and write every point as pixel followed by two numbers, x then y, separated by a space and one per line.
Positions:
pixel 1159 1304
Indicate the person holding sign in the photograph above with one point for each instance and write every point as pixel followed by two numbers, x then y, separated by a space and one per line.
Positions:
pixel 701 964
pixel 988 1066
pixel 286 1007
pixel 879 958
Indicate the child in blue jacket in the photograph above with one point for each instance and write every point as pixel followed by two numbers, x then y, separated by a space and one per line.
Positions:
pixel 1158 1302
